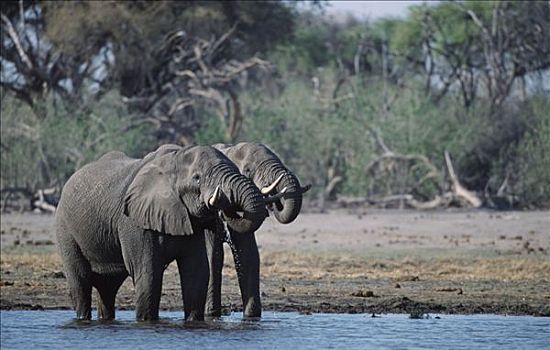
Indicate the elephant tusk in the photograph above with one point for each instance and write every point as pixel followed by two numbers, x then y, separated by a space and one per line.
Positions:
pixel 267 189
pixel 274 198
pixel 215 197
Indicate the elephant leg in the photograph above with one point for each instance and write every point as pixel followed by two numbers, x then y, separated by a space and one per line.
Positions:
pixel 214 249
pixel 80 291
pixel 107 286
pixel 193 270
pixel 78 273
pixel 143 259
pixel 247 262
pixel 148 286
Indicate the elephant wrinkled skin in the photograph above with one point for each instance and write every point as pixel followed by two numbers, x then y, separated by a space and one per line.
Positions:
pixel 120 217
pixel 260 164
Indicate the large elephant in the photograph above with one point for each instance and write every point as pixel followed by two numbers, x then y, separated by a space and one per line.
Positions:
pixel 120 216
pixel 267 171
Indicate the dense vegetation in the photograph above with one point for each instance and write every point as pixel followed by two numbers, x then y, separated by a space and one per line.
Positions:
pixel 358 108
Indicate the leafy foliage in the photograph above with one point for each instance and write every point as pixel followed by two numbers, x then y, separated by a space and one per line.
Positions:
pixel 470 78
pixel 41 152
pixel 530 168
pixel 313 134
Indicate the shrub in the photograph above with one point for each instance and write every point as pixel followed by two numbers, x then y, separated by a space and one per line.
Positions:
pixel 530 169
pixel 40 152
pixel 313 134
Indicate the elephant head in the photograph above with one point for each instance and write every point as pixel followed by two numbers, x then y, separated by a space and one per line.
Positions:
pixel 179 187
pixel 270 175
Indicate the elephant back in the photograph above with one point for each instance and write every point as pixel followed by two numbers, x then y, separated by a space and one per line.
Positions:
pixel 98 187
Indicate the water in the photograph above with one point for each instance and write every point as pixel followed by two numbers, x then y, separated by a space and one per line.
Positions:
pixel 276 330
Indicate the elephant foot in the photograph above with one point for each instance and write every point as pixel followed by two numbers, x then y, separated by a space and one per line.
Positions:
pixel 252 309
pixel 194 316
pixel 147 311
pixel 104 314
pixel 85 317
pixel 212 314
pixel 83 307
pixel 146 317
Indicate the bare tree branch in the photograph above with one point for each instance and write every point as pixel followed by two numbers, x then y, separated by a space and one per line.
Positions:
pixel 15 39
pixel 458 189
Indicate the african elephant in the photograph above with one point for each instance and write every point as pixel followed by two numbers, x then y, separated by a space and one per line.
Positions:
pixel 120 216
pixel 267 171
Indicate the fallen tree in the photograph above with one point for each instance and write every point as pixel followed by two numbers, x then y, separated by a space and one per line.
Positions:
pixel 449 190
pixel 20 199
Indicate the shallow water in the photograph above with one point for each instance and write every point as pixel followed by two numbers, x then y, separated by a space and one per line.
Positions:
pixel 276 330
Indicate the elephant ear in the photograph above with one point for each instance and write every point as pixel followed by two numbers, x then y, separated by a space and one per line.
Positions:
pixel 152 201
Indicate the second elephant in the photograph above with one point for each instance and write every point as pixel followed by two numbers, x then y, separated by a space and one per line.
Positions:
pixel 257 162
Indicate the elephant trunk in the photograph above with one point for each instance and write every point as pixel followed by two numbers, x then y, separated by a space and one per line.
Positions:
pixel 286 209
pixel 246 211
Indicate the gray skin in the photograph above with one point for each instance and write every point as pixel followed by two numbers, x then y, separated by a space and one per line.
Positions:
pixel 120 217
pixel 263 167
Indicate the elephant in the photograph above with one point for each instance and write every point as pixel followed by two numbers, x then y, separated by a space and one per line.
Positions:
pixel 257 162
pixel 119 217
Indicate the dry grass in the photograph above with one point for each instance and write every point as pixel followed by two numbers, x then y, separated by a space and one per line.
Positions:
pixel 526 268
pixel 328 282
pixel 36 261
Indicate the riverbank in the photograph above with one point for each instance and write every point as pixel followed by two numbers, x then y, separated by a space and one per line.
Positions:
pixel 363 261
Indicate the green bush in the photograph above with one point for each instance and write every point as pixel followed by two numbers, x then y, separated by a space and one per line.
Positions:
pixel 40 152
pixel 211 131
pixel 530 175
pixel 312 133
pixel 304 131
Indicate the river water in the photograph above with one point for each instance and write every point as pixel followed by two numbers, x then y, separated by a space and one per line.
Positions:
pixel 276 330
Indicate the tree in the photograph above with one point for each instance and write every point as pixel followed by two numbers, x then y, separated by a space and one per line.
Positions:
pixel 81 50
pixel 31 67
pixel 479 48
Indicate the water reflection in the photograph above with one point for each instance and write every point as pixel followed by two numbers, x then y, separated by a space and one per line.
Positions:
pixel 226 323
pixel 276 330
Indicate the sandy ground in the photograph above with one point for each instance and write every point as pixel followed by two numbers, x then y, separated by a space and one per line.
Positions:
pixel 361 261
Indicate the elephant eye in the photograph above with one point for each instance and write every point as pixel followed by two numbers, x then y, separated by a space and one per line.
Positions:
pixel 196 178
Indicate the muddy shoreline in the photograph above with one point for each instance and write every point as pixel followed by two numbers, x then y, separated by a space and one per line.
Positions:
pixel 446 262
